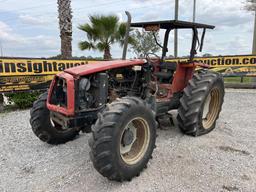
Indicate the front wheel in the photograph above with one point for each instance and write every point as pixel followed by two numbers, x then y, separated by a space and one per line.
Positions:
pixel 123 139
pixel 46 129
pixel 201 103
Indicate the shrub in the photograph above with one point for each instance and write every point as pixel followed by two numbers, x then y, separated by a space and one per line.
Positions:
pixel 23 99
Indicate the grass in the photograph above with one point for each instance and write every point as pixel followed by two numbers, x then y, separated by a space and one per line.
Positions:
pixel 9 108
pixel 237 79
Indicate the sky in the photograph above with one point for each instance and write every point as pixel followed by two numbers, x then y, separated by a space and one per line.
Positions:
pixel 29 28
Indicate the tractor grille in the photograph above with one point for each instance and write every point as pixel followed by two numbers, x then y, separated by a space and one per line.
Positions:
pixel 59 93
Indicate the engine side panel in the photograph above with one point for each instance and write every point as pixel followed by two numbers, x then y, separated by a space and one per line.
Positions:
pixel 105 87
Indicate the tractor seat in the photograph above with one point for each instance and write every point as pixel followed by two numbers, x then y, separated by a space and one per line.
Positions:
pixel 170 66
pixel 163 75
pixel 166 71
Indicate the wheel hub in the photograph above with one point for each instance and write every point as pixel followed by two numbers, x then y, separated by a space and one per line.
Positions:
pixel 134 140
pixel 128 137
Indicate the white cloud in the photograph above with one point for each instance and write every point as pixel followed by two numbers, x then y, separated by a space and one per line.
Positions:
pixel 4 30
pixel 223 13
pixel 7 34
pixel 27 19
pixel 150 16
pixel 120 16
pixel 19 45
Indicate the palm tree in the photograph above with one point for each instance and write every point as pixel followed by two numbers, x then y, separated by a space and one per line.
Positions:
pixel 102 32
pixel 65 25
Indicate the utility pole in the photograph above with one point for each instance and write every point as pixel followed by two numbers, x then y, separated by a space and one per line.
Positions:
pixel 254 41
pixel 176 17
pixel 1 49
pixel 254 36
pixel 194 11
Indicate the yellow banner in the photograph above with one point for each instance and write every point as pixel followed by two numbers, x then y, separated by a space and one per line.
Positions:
pixel 19 74
pixel 14 67
pixel 223 61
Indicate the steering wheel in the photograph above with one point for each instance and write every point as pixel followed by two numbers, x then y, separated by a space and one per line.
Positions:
pixel 150 60
pixel 153 62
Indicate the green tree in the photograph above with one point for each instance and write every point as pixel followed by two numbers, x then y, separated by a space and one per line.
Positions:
pixel 144 42
pixel 102 32
pixel 207 55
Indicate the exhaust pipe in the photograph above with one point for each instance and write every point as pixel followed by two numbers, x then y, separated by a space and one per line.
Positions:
pixel 128 24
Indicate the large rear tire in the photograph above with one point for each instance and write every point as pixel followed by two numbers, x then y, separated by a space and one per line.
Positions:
pixel 201 103
pixel 123 139
pixel 44 128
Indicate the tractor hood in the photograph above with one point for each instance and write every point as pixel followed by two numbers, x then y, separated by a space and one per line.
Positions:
pixel 102 66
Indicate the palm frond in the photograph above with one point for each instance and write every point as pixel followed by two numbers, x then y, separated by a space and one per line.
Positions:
pixel 91 33
pixel 122 30
pixel 102 32
pixel 85 45
pixel 101 46
pixel 121 35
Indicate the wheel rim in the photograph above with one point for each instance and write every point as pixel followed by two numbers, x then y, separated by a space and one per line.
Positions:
pixel 211 108
pixel 133 151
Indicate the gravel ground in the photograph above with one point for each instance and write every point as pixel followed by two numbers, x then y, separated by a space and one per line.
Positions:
pixel 224 160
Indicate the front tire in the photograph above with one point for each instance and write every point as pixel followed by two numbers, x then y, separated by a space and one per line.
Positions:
pixel 44 128
pixel 201 103
pixel 123 139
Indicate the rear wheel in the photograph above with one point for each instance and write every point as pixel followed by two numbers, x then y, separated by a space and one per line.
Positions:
pixel 123 139
pixel 46 129
pixel 201 103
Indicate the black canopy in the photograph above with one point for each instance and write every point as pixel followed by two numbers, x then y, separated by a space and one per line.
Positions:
pixel 173 24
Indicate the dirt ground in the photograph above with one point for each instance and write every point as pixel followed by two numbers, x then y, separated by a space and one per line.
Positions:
pixel 224 160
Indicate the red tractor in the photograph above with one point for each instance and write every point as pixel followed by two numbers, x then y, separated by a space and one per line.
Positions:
pixel 122 101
